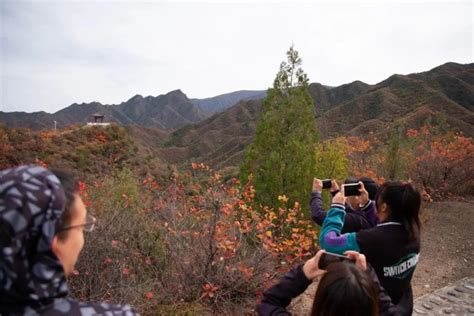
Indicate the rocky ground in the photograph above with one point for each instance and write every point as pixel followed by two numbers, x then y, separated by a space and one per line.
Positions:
pixel 447 252
pixel 455 299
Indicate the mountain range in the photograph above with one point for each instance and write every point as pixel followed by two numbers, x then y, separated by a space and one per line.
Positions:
pixel 169 111
pixel 444 93
pixel 217 130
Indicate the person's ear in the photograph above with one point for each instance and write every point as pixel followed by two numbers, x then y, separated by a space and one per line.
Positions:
pixel 54 246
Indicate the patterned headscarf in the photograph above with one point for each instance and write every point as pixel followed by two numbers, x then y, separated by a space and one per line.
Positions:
pixel 32 279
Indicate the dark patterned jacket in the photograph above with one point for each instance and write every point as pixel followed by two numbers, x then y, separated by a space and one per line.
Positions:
pixel 32 280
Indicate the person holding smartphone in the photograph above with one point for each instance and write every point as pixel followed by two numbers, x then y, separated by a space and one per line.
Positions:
pixel 347 287
pixel 360 209
pixel 392 247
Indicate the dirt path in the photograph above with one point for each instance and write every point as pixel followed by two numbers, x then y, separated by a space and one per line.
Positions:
pixel 447 246
pixel 447 252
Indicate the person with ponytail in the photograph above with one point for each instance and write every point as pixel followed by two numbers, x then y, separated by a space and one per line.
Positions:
pixel 392 247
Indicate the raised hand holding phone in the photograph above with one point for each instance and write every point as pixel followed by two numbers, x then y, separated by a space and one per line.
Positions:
pixel 339 198
pixel 311 267
pixel 364 195
pixel 328 258
pixel 351 189
pixel 334 186
pixel 359 258
pixel 315 267
pixel 327 183
pixel 317 185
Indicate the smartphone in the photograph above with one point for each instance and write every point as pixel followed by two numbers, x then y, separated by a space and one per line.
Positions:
pixel 328 257
pixel 327 184
pixel 351 189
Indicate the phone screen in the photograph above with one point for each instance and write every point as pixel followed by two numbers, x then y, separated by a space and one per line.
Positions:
pixel 327 184
pixel 351 189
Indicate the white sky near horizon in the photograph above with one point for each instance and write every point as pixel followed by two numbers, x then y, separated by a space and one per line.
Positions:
pixel 55 53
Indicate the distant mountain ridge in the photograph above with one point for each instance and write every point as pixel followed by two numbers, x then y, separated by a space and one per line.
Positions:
pixel 188 132
pixel 221 102
pixel 356 108
pixel 168 111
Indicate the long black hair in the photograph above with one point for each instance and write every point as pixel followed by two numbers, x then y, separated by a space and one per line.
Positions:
pixel 404 201
pixel 345 290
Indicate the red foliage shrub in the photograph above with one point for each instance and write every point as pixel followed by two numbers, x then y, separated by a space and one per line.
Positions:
pixel 193 239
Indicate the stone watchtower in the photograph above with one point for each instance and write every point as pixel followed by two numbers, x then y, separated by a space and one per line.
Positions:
pixel 98 118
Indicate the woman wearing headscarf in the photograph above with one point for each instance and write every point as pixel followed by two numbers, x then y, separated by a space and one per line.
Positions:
pixel 42 225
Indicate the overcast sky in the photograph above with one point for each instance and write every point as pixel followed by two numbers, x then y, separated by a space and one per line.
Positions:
pixel 55 53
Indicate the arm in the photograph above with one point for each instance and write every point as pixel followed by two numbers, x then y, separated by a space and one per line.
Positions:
pixel 353 222
pixel 362 218
pixel 278 297
pixel 334 188
pixel 367 207
pixel 330 237
pixel 317 212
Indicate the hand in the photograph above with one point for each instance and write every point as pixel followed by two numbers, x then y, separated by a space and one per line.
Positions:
pixel 310 268
pixel 364 195
pixel 317 185
pixel 339 197
pixel 334 186
pixel 359 258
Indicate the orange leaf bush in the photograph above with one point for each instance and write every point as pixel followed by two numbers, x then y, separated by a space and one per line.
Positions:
pixel 190 238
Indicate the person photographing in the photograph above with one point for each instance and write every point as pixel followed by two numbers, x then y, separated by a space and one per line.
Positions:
pixel 360 209
pixel 346 287
pixel 392 247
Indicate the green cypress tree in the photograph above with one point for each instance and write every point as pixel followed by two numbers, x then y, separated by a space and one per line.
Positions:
pixel 281 157
pixel 394 162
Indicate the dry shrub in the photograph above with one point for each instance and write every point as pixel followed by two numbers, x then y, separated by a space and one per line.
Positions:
pixel 443 162
pixel 122 257
pixel 192 241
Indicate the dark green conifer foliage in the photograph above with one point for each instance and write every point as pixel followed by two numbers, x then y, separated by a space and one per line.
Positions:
pixel 282 155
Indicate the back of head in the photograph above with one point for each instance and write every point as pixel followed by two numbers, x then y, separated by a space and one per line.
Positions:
pixel 404 201
pixel 370 185
pixel 345 290
pixel 350 180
